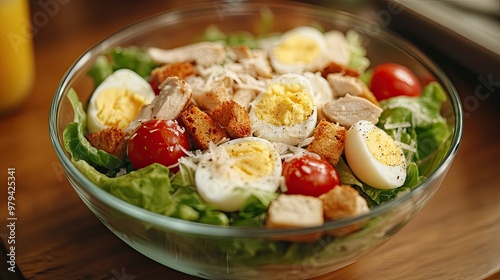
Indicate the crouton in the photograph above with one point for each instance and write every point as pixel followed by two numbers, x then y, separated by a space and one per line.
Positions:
pixel 368 94
pixel 342 202
pixel 295 211
pixel 112 140
pixel 180 70
pixel 233 118
pixel 328 141
pixel 201 129
pixel 333 67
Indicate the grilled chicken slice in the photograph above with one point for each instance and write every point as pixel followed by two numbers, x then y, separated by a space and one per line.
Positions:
pixel 209 100
pixel 174 96
pixel 241 52
pixel 342 85
pixel 261 64
pixel 349 109
pixel 203 54
pixel 244 97
pixel 256 62
pixel 338 47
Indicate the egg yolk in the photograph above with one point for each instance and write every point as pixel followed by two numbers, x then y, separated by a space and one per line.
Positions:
pixel 383 148
pixel 118 107
pixel 253 160
pixel 285 105
pixel 297 49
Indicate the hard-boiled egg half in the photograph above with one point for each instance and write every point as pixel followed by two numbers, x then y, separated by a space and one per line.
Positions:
pixel 118 100
pixel 227 175
pixel 374 157
pixel 300 49
pixel 286 112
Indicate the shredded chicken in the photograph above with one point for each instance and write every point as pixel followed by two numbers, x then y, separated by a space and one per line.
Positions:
pixel 349 109
pixel 203 53
pixel 338 47
pixel 342 85
pixel 219 83
pixel 174 96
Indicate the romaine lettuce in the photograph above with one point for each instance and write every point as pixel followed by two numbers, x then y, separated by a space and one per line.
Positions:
pixel 78 146
pixel 357 55
pixel 427 131
pixel 381 196
pixel 150 188
pixel 133 58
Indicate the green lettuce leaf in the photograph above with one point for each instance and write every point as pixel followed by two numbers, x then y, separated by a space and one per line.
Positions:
pixel 254 211
pixel 78 146
pixel 133 58
pixel 100 70
pixel 150 188
pixel 357 56
pixel 428 130
pixel 381 196
pixel 214 34
pixel 183 178
pixel 346 175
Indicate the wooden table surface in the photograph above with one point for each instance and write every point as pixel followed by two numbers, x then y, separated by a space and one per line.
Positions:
pixel 456 236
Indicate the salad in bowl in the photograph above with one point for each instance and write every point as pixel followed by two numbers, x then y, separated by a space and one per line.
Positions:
pixel 245 152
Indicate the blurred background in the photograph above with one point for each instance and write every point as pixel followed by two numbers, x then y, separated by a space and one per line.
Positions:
pixel 463 30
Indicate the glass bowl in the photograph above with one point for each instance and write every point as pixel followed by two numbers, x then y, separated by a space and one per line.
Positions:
pixel 216 252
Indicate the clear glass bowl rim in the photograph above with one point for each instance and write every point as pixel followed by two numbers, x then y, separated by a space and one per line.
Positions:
pixel 178 225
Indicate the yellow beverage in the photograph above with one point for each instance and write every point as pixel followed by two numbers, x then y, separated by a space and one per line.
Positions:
pixel 16 54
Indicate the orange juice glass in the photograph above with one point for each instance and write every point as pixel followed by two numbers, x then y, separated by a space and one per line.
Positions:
pixel 16 54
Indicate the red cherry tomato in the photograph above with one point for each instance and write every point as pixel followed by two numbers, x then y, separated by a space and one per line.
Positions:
pixel 309 175
pixel 391 80
pixel 159 141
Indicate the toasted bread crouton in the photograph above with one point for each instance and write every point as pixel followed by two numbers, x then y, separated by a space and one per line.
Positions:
pixel 295 211
pixel 233 118
pixel 112 140
pixel 200 127
pixel 341 202
pixel 368 94
pixel 333 67
pixel 180 70
pixel 328 141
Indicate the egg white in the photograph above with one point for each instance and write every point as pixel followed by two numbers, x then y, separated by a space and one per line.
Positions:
pixel 224 187
pixel 303 34
pixel 365 166
pixel 322 91
pixel 288 134
pixel 123 79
